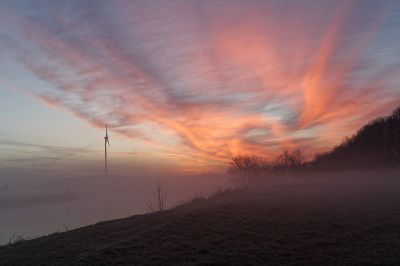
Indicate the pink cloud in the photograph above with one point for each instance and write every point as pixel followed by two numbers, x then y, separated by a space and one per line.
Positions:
pixel 242 81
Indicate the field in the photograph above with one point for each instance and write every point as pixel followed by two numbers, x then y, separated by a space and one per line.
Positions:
pixel 350 221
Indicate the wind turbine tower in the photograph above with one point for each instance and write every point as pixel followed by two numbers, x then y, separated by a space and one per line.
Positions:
pixel 106 141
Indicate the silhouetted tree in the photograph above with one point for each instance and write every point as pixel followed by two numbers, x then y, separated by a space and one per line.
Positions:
pixel 159 201
pixel 290 160
pixel 245 168
pixel 377 144
pixel 242 168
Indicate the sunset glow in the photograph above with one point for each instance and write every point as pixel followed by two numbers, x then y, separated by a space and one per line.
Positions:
pixel 190 84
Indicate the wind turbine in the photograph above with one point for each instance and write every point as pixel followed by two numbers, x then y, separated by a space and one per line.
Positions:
pixel 105 152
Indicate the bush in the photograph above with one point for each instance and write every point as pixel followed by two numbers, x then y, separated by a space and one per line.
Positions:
pixel 246 168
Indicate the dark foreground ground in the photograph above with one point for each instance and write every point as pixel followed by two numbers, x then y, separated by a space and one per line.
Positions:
pixel 313 223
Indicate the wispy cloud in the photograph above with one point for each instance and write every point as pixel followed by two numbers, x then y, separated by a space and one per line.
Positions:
pixel 17 154
pixel 207 80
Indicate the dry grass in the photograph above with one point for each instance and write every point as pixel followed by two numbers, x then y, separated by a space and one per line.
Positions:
pixel 285 225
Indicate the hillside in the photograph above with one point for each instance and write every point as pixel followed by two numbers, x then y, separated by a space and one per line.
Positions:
pixel 376 144
pixel 319 221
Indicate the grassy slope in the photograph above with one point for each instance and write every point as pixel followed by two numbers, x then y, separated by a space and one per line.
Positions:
pixel 308 224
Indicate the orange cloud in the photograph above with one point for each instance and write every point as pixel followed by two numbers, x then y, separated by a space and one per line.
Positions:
pixel 214 81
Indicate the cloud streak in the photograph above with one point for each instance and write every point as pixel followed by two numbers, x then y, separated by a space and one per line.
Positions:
pixel 207 80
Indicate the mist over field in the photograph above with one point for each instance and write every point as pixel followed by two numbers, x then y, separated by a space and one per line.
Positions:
pixel 345 217
pixel 32 207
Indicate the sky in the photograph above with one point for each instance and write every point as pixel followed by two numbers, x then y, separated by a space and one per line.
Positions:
pixel 186 85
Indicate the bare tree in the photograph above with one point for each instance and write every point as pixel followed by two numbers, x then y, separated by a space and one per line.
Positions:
pixel 246 168
pixel 377 144
pixel 159 201
pixel 289 160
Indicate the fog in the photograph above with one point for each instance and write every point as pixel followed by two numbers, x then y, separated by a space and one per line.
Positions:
pixel 36 206
pixel 40 206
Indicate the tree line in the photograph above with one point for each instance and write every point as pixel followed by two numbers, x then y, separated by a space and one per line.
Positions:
pixel 375 145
